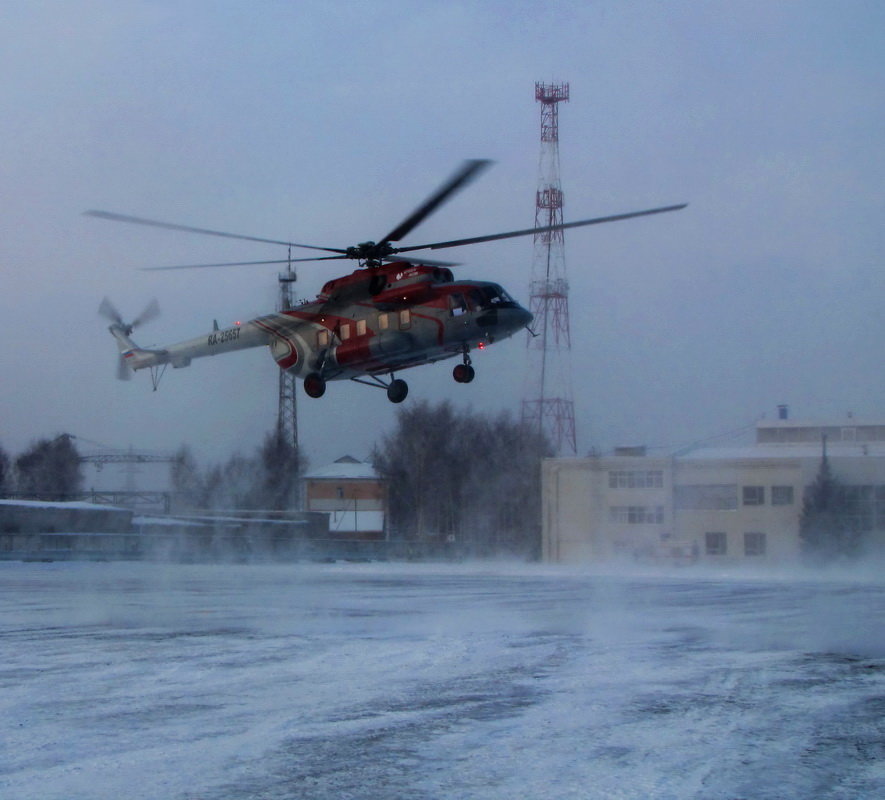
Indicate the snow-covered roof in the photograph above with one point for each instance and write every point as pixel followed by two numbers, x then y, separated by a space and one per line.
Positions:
pixel 791 451
pixel 73 505
pixel 846 422
pixel 345 468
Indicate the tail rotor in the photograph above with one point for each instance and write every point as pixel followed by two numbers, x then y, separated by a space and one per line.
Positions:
pixel 121 330
pixel 109 311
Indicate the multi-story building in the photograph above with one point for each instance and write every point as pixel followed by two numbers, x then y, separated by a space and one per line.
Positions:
pixel 715 505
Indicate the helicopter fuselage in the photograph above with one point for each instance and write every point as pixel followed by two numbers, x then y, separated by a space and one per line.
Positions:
pixel 373 322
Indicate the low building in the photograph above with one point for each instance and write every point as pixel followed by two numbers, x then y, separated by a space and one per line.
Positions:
pixel 710 504
pixel 57 531
pixel 48 531
pixel 353 496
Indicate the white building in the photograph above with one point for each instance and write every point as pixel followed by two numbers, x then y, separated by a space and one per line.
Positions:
pixel 715 505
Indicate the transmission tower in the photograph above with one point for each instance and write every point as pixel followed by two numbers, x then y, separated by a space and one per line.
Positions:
pixel 287 413
pixel 548 406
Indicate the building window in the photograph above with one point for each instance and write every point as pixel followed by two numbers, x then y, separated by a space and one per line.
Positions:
pixel 323 338
pixel 782 495
pixel 405 319
pixel 754 495
pixel 754 544
pixel 707 497
pixel 637 515
pixel 636 479
pixel 715 543
pixel 383 322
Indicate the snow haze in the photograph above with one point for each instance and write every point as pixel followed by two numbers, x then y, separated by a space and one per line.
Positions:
pixel 432 682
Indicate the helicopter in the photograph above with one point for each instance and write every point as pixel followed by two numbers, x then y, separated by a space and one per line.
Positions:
pixel 392 313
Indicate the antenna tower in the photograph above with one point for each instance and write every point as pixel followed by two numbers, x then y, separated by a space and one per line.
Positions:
pixel 287 414
pixel 549 406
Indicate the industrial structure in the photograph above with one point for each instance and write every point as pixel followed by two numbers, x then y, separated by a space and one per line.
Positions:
pixel 130 496
pixel 712 505
pixel 548 406
pixel 287 409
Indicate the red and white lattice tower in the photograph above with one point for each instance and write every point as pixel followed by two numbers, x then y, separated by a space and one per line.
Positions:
pixel 549 406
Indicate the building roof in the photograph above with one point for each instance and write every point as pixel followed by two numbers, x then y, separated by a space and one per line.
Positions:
pixel 790 451
pixel 345 468
pixel 73 505
pixel 847 422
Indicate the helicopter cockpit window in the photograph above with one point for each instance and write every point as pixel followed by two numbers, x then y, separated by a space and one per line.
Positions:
pixel 496 297
pixel 457 305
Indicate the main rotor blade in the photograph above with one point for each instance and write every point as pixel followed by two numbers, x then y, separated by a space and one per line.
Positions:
pixel 110 215
pixel 245 263
pixel 423 262
pixel 529 231
pixel 467 172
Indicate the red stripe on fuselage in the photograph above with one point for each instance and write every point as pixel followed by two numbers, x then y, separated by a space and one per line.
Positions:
pixel 286 361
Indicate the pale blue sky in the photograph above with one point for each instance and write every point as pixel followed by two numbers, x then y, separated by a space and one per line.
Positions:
pixel 327 122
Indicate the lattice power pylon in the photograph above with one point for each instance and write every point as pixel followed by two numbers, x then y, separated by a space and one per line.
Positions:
pixel 287 413
pixel 549 406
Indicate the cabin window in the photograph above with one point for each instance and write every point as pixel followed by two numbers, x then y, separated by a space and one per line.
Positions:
pixel 405 319
pixel 457 304
pixel 383 322
pixel 323 338
pixel 344 331
pixel 360 327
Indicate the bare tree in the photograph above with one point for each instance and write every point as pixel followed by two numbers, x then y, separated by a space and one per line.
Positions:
pixel 49 469
pixel 5 472
pixel 268 479
pixel 465 476
pixel 188 482
pixel 279 471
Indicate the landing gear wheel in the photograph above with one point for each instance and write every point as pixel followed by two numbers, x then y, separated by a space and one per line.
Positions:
pixel 314 385
pixel 397 391
pixel 463 373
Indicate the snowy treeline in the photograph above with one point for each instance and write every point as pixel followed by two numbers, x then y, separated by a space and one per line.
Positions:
pixel 461 476
pixel 49 469
pixel 268 479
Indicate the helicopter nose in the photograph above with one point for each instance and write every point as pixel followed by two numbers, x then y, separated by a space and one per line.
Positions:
pixel 515 319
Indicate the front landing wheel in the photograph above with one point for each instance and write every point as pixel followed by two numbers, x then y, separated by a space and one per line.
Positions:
pixel 397 391
pixel 314 385
pixel 463 373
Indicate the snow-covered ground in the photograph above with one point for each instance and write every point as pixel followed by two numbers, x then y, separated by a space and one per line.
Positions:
pixel 420 682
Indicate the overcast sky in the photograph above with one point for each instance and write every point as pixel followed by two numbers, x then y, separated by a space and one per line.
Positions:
pixel 327 122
